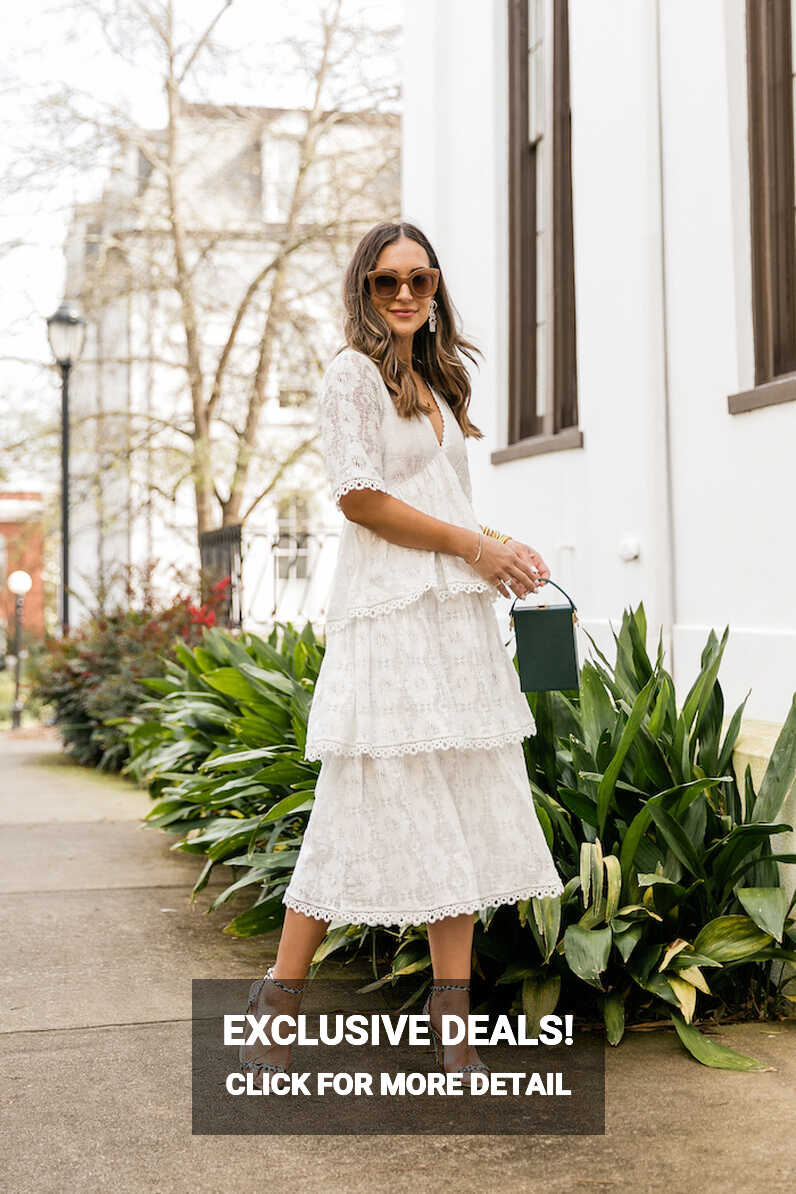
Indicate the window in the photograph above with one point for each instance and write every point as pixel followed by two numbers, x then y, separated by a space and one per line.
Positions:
pixel 770 80
pixel 144 172
pixel 93 239
pixel 292 546
pixel 294 397
pixel 543 412
pixel 279 167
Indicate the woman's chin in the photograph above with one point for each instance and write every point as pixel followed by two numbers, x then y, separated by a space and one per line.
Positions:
pixel 403 327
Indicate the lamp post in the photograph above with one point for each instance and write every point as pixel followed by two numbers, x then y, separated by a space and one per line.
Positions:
pixel 19 583
pixel 66 331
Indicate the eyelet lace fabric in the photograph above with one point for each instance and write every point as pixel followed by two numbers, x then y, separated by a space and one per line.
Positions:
pixel 368 916
pixel 367 445
pixel 433 675
pixel 409 840
pixel 357 483
pixel 422 808
pixel 394 603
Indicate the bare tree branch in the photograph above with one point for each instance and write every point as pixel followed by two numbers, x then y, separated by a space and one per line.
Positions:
pixel 218 276
pixel 202 42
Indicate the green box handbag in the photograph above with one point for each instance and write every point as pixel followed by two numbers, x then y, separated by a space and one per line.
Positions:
pixel 547 647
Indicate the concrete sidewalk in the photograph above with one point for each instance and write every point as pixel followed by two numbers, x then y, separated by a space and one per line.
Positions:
pixel 100 946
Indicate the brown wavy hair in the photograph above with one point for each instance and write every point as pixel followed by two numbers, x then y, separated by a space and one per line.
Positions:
pixel 435 356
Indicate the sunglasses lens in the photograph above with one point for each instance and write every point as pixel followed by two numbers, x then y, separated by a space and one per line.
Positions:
pixel 423 285
pixel 384 285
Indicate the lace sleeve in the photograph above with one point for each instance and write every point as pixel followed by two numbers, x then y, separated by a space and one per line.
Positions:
pixel 350 413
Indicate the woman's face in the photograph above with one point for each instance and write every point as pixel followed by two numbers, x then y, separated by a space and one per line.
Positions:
pixel 404 313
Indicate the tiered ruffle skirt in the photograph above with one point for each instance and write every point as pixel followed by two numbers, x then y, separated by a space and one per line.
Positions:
pixel 422 807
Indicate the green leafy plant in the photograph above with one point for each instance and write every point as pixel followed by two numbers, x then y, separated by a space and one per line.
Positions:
pixel 221 750
pixel 672 899
pixel 672 892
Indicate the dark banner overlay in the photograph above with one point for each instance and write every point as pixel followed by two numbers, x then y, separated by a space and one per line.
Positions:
pixel 552 1084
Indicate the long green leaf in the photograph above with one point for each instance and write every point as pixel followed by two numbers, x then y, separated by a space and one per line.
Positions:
pixel 675 838
pixel 586 951
pixel 767 906
pixel 711 1053
pixel 596 708
pixel 614 1017
pixel 730 938
pixel 780 772
pixel 295 803
pixel 262 918
pixel 540 994
pixel 230 682
pixel 606 789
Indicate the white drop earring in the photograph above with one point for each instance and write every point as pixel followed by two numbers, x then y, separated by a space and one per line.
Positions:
pixel 432 316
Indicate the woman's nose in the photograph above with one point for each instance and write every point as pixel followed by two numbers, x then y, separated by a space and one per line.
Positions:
pixel 404 293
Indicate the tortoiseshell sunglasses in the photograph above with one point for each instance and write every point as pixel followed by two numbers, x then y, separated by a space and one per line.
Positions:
pixel 386 283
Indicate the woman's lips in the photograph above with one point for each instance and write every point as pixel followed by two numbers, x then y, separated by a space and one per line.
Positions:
pixel 404 313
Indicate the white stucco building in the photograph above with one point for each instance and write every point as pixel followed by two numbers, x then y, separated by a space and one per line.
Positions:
pixel 640 483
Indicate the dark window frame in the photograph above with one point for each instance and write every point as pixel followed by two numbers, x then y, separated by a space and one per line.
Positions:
pixel 772 195
pixel 557 428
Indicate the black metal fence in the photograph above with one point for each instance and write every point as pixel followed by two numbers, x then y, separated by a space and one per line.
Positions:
pixel 221 555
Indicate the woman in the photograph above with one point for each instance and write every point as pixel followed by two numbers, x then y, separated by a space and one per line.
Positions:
pixel 423 811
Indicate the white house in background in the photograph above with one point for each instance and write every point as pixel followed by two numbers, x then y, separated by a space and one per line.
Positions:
pixel 238 166
pixel 630 279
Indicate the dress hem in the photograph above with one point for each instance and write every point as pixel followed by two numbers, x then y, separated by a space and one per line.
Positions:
pixel 386 607
pixel 421 916
pixel 330 746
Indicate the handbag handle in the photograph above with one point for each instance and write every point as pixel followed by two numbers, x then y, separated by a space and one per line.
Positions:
pixel 546 582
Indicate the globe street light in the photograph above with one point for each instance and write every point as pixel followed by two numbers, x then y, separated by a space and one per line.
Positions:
pixel 66 331
pixel 19 583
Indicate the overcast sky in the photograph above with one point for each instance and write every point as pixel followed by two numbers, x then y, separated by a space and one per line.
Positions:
pixel 46 43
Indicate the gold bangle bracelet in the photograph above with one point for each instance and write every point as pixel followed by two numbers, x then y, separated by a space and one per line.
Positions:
pixel 494 534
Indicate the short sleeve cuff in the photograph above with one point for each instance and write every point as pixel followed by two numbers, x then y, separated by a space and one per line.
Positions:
pixel 358 483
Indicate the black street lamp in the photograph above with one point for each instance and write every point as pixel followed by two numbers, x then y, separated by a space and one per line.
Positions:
pixel 19 583
pixel 66 331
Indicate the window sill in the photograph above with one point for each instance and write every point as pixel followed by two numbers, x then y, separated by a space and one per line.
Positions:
pixel 537 445
pixel 770 393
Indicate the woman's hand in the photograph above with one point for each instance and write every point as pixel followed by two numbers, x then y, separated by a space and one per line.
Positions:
pixel 513 564
pixel 535 560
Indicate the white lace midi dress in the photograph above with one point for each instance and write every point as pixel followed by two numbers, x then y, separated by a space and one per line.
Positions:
pixel 422 807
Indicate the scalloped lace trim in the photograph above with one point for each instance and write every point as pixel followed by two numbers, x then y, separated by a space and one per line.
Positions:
pixel 413 748
pixel 423 916
pixel 359 483
pixel 386 607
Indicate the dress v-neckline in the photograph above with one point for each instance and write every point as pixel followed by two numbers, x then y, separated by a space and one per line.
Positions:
pixel 439 442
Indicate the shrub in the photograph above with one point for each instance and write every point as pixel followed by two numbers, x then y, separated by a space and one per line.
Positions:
pixel 91 677
pixel 672 891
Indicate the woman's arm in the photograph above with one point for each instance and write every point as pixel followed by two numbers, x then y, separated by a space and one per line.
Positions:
pixel 351 415
pixel 405 525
